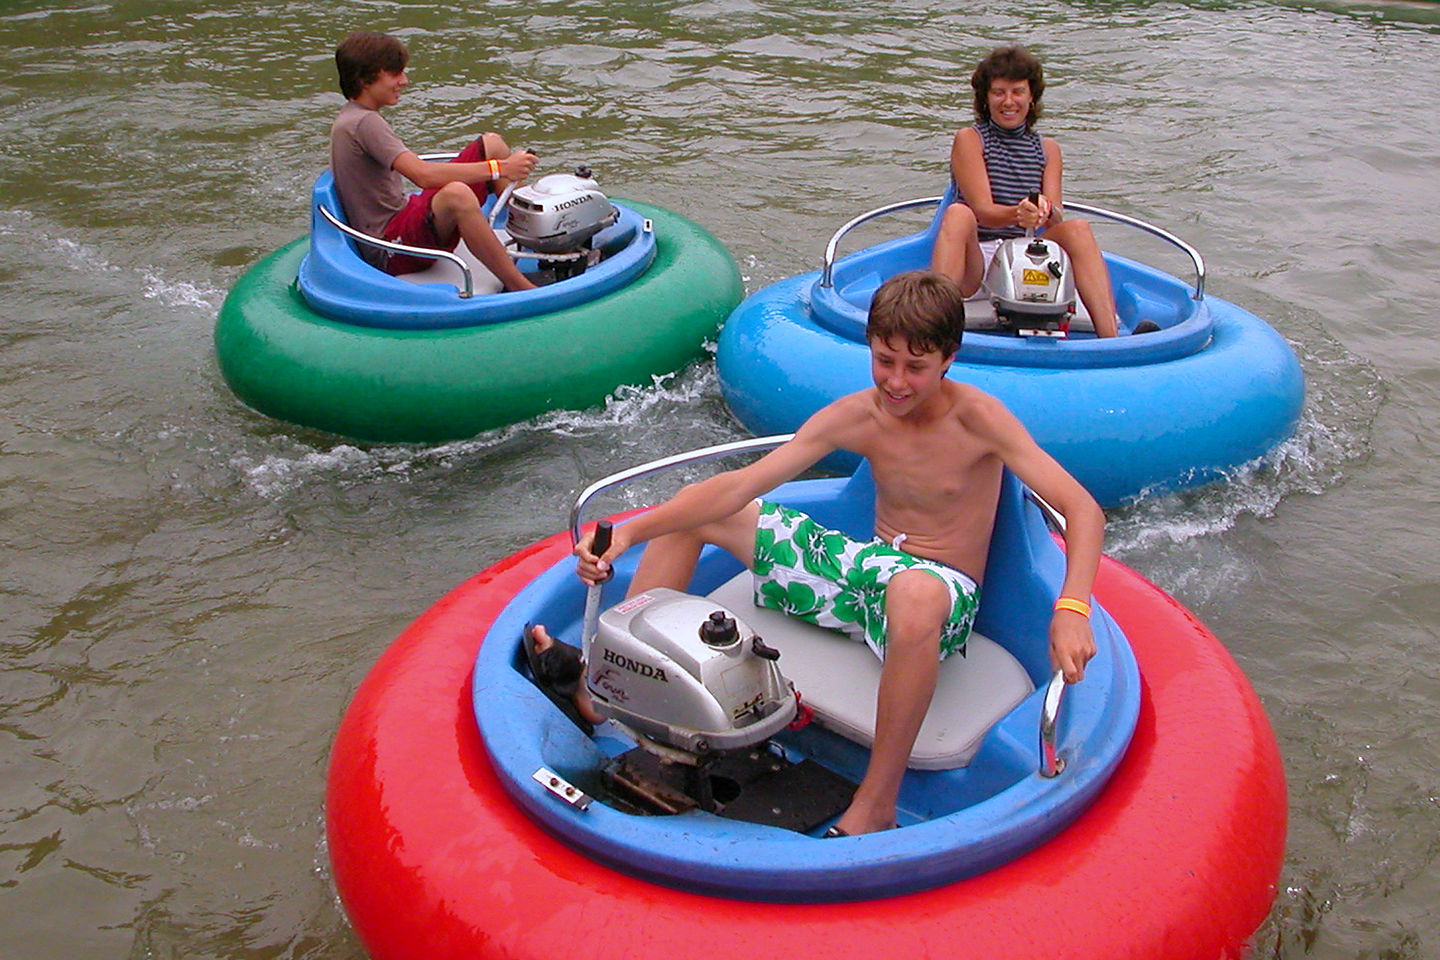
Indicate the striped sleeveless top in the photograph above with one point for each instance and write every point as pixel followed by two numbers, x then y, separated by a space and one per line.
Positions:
pixel 1015 162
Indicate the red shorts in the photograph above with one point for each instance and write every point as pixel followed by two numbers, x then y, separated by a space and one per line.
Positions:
pixel 414 225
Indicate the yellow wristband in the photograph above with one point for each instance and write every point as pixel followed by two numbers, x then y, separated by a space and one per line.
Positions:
pixel 1074 606
pixel 494 169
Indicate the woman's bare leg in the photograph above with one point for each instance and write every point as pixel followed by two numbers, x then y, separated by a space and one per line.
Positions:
pixel 1092 276
pixel 957 249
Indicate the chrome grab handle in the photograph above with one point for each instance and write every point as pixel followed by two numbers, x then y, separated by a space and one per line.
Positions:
pixel 752 445
pixel 592 595
pixel 1054 517
pixel 1051 763
pixel 426 252
pixel 1196 260
pixel 826 271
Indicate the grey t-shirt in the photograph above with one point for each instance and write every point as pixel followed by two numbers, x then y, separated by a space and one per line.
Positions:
pixel 362 148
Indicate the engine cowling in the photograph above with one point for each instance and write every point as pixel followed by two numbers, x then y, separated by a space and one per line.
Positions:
pixel 558 213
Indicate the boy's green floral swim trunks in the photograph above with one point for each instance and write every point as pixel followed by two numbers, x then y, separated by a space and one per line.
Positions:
pixel 832 580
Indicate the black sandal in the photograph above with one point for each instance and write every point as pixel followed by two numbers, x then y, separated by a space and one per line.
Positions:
pixel 556 671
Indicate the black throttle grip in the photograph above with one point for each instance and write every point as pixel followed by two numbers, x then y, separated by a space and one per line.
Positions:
pixel 601 543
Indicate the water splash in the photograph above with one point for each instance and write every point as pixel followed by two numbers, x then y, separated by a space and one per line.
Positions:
pixel 1175 537
pixel 181 293
pixel 89 261
pixel 674 405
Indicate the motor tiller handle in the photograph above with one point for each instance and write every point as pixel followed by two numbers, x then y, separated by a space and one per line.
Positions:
pixel 504 196
pixel 592 595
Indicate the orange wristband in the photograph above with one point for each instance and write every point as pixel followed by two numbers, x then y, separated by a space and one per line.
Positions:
pixel 494 169
pixel 1074 606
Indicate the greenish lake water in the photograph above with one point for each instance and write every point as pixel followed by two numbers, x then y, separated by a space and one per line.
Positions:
pixel 192 592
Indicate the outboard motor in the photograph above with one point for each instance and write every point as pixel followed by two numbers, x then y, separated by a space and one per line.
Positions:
pixel 703 695
pixel 687 674
pixel 1031 287
pixel 558 215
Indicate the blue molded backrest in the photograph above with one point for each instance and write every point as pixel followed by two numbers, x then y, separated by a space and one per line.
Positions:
pixel 945 201
pixel 1023 573
pixel 325 194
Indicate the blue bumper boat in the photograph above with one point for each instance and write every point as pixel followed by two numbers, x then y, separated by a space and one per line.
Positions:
pixel 1214 389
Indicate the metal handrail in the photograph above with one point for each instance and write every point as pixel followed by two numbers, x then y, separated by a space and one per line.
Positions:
pixel 827 269
pixel 1051 763
pixel 1195 259
pixel 427 252
pixel 753 445
pixel 1052 516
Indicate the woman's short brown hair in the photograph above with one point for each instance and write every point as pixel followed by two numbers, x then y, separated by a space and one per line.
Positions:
pixel 362 56
pixel 1008 63
pixel 924 308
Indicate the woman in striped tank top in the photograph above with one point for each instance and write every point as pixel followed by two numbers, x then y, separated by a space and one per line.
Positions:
pixel 996 165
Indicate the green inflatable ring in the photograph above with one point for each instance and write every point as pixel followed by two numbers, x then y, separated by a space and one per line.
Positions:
pixel 288 362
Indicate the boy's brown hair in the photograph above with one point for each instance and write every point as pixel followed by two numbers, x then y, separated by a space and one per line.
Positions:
pixel 924 308
pixel 362 56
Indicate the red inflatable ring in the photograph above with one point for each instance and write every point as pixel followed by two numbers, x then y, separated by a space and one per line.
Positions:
pixel 1178 858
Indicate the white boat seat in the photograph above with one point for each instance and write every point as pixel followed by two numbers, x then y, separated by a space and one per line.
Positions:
pixel 838 677
pixel 443 271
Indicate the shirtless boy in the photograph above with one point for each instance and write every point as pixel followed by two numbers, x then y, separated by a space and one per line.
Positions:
pixel 368 161
pixel 937 449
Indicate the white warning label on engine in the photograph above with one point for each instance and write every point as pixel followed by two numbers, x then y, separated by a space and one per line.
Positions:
pixel 634 603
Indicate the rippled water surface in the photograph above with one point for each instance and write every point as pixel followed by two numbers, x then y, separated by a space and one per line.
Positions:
pixel 192 592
